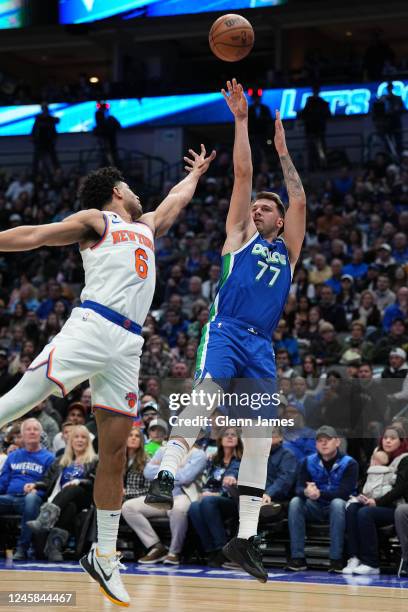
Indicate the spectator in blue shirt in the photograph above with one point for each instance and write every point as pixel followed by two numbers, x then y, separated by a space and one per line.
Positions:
pixel 399 310
pixel 173 325
pixel 54 296
pixel 357 268
pixel 325 481
pixel 68 488
pixel 282 470
pixel 22 469
pixel 283 339
pixel 299 439
pixel 219 498
pixel 400 251
pixel 337 271
pixel 343 183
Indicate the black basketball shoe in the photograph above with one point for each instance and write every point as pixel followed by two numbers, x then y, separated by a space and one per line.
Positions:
pixel 160 493
pixel 247 554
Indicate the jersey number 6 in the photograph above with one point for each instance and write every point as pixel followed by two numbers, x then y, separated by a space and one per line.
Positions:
pixel 141 265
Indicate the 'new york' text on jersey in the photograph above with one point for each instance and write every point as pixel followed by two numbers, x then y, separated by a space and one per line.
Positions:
pixel 120 268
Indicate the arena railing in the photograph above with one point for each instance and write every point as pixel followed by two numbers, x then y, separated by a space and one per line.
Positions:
pixel 153 170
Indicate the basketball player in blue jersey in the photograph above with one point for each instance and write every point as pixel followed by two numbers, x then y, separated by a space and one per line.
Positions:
pixel 102 341
pixel 257 268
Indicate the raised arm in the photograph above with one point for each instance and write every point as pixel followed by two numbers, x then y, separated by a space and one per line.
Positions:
pixel 81 226
pixel 239 224
pixel 295 218
pixel 180 195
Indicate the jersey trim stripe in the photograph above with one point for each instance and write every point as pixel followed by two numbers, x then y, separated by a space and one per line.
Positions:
pixel 104 235
pixel 244 246
pixel 202 348
pixel 52 378
pixel 40 365
pixel 227 265
pixel 48 363
pixel 116 410
pixel 148 226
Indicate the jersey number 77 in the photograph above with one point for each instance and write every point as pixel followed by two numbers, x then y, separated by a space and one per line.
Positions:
pixel 275 272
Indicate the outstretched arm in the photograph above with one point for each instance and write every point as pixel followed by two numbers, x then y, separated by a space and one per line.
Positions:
pixel 76 228
pixel 239 224
pixel 295 218
pixel 180 195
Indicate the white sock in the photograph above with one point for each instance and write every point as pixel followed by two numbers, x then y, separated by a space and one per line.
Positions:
pixel 108 527
pixel 249 509
pixel 174 454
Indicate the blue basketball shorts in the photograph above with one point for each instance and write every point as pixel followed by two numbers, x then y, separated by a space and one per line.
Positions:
pixel 239 358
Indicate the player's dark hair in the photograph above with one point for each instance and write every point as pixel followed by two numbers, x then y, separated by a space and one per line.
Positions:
pixel 273 197
pixel 96 191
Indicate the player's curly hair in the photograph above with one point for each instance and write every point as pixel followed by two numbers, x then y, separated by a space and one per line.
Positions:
pixel 96 190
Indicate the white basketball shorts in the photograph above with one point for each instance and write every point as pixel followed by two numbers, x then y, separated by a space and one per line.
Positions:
pixel 91 347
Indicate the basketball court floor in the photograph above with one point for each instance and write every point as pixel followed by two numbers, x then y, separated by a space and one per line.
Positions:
pixel 193 588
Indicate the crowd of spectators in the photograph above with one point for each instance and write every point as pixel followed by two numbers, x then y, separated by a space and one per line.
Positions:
pixel 340 350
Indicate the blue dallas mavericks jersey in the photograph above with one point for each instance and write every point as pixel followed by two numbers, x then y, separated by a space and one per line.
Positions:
pixel 254 284
pixel 236 344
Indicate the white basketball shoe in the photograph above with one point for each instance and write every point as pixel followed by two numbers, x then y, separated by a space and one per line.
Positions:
pixel 105 570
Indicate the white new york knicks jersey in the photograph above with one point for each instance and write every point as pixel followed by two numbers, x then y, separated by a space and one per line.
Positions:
pixel 120 268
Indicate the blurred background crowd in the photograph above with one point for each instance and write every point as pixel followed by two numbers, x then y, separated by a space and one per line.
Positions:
pixel 341 345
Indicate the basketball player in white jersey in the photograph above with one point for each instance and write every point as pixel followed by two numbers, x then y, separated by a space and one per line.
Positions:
pixel 101 341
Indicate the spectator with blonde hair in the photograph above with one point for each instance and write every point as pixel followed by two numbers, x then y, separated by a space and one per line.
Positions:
pixel 68 485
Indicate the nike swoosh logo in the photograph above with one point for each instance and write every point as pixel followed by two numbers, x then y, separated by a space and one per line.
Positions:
pixel 115 514
pixel 106 576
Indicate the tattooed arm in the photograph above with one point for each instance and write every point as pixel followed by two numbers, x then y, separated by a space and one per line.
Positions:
pixel 295 218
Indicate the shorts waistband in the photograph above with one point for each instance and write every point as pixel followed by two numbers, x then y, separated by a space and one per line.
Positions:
pixel 256 331
pixel 113 316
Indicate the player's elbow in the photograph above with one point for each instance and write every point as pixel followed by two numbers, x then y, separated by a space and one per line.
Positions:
pixel 244 171
pixel 299 202
pixel 36 238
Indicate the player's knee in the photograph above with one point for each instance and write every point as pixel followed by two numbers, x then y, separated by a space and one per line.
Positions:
pixel 112 460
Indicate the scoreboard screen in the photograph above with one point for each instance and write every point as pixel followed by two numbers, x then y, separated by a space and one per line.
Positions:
pixel 82 11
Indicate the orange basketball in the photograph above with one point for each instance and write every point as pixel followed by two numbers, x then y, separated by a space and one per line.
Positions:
pixel 231 38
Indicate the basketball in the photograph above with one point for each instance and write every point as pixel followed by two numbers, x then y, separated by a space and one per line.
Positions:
pixel 231 38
